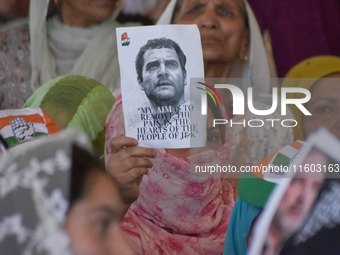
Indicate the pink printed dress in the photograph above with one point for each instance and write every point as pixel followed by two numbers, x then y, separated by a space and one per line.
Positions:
pixel 177 212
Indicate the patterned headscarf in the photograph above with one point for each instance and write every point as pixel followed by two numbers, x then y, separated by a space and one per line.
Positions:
pixel 34 190
pixel 313 68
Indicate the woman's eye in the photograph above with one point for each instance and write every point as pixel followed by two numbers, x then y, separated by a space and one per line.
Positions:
pixel 224 12
pixel 212 138
pixel 103 225
pixel 323 109
pixel 197 9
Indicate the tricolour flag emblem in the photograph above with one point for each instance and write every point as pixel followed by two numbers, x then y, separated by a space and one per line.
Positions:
pixel 125 39
pixel 21 125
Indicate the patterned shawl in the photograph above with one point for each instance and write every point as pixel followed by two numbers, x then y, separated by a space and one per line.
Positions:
pixel 99 59
pixel 34 190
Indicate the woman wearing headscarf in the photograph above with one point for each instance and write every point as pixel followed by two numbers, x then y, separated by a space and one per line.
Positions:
pixel 54 200
pixel 233 48
pixel 178 211
pixel 308 74
pixel 62 37
pixel 76 101
pixel 254 189
pixel 239 33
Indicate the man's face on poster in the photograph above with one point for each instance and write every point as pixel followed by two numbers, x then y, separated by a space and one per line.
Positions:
pixel 299 197
pixel 163 78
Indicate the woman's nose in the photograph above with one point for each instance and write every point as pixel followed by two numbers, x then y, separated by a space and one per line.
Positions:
pixel 335 129
pixel 209 19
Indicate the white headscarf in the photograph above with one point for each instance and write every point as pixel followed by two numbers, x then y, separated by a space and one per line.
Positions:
pixel 256 69
pixel 99 60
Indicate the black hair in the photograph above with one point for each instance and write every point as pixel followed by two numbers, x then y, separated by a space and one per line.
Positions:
pixel 84 165
pixel 138 18
pixel 177 9
pixel 52 9
pixel 217 115
pixel 158 43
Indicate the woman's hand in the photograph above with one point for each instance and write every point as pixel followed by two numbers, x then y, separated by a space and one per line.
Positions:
pixel 127 164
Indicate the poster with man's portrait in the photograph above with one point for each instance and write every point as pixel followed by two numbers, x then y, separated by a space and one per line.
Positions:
pixel 156 64
pixel 302 216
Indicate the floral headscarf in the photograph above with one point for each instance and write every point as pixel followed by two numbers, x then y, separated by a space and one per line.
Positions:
pixel 34 190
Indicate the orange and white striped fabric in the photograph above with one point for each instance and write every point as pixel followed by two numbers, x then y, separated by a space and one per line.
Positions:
pixel 21 125
pixel 282 158
pixel 270 171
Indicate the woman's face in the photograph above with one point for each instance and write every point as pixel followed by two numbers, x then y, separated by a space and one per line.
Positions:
pixel 214 140
pixel 214 136
pixel 224 36
pixel 93 222
pixel 324 106
pixel 86 13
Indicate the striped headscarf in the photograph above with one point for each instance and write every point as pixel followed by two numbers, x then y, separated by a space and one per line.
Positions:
pixel 76 101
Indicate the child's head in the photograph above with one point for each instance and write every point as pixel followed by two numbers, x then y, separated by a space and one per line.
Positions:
pixel 60 200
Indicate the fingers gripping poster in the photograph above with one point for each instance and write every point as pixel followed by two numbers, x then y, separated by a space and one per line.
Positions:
pixel 156 64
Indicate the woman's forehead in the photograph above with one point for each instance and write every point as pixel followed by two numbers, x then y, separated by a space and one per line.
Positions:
pixel 215 2
pixel 329 85
pixel 184 6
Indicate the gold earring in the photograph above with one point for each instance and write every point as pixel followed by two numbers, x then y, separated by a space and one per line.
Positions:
pixel 245 59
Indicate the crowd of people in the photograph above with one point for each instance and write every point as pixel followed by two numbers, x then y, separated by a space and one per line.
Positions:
pixel 90 189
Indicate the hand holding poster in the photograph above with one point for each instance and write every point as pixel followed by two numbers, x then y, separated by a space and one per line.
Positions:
pixel 156 64
pixel 302 215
